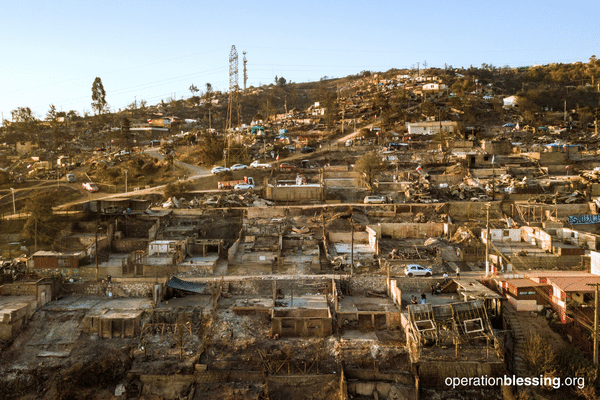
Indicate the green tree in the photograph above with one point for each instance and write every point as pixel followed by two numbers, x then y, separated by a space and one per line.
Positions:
pixel 539 357
pixel 194 89
pixel 98 96
pixel 23 114
pixel 51 114
pixel 209 92
pixel 368 166
pixel 281 81
pixel 210 149
pixel 40 220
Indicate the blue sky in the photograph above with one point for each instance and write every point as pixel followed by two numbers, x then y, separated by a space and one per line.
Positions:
pixel 151 50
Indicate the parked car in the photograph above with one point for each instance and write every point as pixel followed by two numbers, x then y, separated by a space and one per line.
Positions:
pixel 91 187
pixel 243 186
pixel 237 167
pixel 375 200
pixel 287 166
pixel 218 170
pixel 70 178
pixel 256 164
pixel 307 149
pixel 417 270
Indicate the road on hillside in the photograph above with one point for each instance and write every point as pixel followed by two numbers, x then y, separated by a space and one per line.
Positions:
pixel 323 149
pixel 194 172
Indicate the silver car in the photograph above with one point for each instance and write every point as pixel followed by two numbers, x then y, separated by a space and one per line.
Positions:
pixel 417 270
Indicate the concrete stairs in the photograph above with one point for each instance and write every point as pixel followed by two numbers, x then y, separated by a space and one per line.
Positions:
pixel 518 337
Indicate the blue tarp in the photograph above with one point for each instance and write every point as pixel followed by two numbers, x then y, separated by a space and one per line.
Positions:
pixel 176 283
pixel 509 125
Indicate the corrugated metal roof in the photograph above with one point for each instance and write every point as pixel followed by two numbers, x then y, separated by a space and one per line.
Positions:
pixel 176 283
pixel 574 284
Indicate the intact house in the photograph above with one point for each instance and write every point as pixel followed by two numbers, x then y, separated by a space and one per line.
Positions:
pixel 316 110
pixel 431 127
pixel 434 87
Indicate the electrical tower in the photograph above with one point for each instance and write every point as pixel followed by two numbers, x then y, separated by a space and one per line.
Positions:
pixel 233 86
pixel 245 71
pixel 234 151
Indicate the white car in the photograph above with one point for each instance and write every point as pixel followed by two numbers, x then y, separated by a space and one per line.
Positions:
pixel 417 270
pixel 90 187
pixel 375 200
pixel 237 167
pixel 218 170
pixel 243 186
pixel 256 164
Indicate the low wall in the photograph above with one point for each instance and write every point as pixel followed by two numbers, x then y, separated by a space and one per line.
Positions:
pixel 417 285
pixel 129 245
pixel 265 212
pixel 410 230
pixel 119 289
pixel 346 237
pixel 232 250
pixel 472 209
pixel 294 193
pixel 545 262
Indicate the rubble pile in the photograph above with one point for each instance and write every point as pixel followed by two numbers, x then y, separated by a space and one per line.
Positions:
pixel 463 191
pixel 228 199
pixel 464 236
pixel 558 198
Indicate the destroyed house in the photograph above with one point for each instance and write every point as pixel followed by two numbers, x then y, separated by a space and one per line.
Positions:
pixel 56 260
pixel 448 323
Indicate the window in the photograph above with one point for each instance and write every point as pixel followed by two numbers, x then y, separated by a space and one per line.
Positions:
pixel 473 325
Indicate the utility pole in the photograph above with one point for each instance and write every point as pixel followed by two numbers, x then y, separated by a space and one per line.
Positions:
pixel 13 195
pixel 245 71
pixel 596 312
pixel 487 241
pixel 96 250
pixel 35 219
pixel 352 251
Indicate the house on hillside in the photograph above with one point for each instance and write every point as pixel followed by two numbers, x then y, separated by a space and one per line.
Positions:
pixel 316 110
pixel 511 101
pixel 431 127
pixel 434 87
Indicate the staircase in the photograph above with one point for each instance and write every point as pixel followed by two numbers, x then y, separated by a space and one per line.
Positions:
pixel 516 362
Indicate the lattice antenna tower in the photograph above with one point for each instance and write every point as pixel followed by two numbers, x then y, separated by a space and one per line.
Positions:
pixel 245 71
pixel 233 85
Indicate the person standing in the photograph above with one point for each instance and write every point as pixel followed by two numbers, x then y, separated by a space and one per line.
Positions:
pixel 457 272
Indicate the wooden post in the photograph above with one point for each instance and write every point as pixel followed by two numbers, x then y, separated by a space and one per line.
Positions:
pixel 595 330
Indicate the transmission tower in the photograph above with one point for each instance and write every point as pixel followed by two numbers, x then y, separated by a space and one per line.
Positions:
pixel 233 86
pixel 245 71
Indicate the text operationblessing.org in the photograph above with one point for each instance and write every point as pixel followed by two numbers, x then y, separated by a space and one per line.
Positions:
pixel 554 382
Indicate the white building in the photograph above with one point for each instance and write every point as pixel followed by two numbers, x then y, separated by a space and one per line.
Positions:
pixel 431 128
pixel 434 87
pixel 511 101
